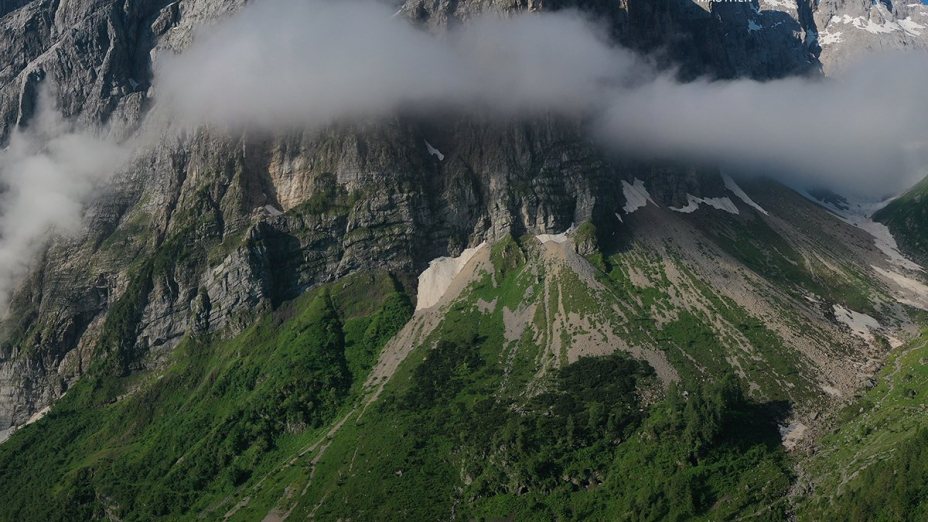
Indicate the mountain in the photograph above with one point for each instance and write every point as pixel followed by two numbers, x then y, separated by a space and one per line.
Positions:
pixel 445 317
pixel 848 28
pixel 208 190
pixel 233 425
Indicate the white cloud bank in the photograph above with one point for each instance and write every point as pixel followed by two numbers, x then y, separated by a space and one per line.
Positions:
pixel 307 63
pixel 864 131
pixel 47 171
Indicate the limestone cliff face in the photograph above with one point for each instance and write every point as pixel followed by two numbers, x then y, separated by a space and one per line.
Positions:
pixel 847 28
pixel 207 229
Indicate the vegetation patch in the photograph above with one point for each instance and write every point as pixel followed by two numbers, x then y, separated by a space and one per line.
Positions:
pixel 874 464
pixel 224 413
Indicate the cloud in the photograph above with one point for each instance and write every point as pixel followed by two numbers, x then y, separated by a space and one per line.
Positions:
pixel 308 63
pixel 862 131
pixel 47 172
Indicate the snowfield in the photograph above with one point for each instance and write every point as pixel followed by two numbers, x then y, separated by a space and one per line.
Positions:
pixel 555 238
pixel 693 203
pixel 636 196
pixel 861 324
pixel 740 194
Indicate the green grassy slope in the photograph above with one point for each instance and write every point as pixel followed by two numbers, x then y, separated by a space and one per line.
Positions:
pixel 457 431
pixel 477 426
pixel 477 423
pixel 174 443
pixel 874 464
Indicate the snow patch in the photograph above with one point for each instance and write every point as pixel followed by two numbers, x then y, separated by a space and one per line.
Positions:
pixel 434 152
pixel 692 204
pixel 911 26
pixel 636 195
pixel 829 38
pixel 555 238
pixel 740 194
pixel 861 324
pixel 907 25
pixel 783 4
pixel 859 214
pixel 722 204
pixel 754 26
pixel 884 240
pixel 435 280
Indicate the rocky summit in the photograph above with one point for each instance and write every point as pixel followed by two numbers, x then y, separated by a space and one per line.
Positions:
pixel 453 316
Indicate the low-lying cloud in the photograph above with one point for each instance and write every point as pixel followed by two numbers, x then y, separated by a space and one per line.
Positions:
pixel 47 172
pixel 297 63
pixel 864 132
pixel 309 63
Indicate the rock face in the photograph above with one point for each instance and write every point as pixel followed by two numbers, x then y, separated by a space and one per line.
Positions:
pixel 838 31
pixel 207 229
pixel 847 28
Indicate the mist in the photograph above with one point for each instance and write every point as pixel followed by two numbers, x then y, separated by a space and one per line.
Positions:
pixel 864 132
pixel 306 64
pixel 48 171
pixel 291 63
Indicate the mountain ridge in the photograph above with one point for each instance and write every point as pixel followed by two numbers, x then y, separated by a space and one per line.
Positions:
pixel 209 245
